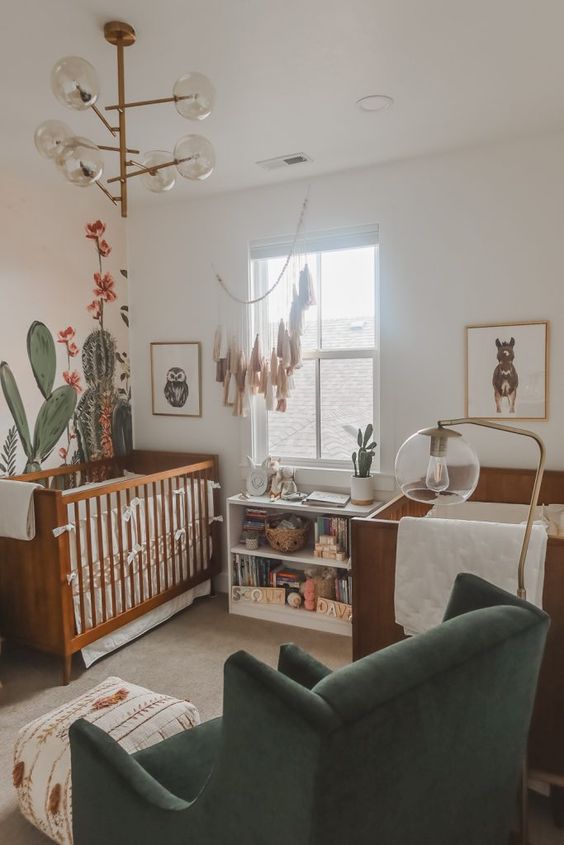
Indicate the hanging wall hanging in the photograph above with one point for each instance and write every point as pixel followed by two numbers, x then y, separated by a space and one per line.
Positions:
pixel 265 372
pixel 74 83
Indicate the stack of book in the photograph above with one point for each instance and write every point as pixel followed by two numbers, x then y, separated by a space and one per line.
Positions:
pixel 343 589
pixel 254 521
pixel 250 571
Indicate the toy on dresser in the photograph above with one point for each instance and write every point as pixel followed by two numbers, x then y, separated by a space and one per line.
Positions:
pixel 327 547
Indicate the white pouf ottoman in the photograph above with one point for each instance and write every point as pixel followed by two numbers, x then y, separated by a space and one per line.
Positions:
pixel 135 717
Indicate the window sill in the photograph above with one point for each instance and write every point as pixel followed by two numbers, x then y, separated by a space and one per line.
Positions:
pixel 334 479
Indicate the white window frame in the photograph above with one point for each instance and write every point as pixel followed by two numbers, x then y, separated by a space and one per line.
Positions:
pixel 315 243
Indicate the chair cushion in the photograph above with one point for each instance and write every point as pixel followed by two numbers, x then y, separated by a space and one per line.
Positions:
pixel 182 764
pixel 133 716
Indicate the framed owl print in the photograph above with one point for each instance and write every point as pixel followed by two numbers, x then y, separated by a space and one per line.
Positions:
pixel 176 379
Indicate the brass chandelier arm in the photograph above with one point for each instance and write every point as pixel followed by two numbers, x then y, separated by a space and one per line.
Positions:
pixel 521 592
pixel 110 128
pixel 142 170
pixel 136 103
pixel 110 196
pixel 116 149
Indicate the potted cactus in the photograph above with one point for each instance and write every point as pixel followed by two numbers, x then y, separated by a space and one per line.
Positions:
pixel 362 491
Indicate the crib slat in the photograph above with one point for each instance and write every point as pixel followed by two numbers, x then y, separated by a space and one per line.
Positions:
pixel 130 566
pixel 122 564
pixel 110 536
pixel 171 529
pixel 164 534
pixel 157 537
pixel 148 551
pixel 79 566
pixel 141 553
pixel 201 490
pixel 101 557
pixel 207 527
pixel 194 544
pixel 187 527
pixel 90 563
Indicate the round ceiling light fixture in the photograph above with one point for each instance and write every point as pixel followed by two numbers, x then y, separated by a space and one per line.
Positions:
pixel 375 102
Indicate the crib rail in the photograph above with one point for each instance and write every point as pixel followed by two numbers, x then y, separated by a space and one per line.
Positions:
pixel 137 542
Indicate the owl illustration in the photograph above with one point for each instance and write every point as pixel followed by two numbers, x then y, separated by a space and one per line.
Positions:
pixel 176 387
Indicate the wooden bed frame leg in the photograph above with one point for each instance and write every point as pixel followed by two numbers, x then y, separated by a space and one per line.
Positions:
pixel 557 804
pixel 67 669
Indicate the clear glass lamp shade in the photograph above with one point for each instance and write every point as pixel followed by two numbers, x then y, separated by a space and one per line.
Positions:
pixel 50 137
pixel 447 479
pixel 74 83
pixel 194 157
pixel 80 161
pixel 159 180
pixel 194 96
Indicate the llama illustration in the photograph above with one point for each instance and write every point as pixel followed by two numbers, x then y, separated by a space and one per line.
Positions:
pixel 505 379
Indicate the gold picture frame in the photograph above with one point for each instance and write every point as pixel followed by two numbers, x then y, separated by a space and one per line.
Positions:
pixel 176 378
pixel 507 370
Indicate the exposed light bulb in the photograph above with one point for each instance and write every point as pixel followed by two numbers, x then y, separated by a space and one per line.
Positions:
pixel 437 477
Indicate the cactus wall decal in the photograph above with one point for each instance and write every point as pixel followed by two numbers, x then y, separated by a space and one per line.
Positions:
pixel 98 424
pixel 58 406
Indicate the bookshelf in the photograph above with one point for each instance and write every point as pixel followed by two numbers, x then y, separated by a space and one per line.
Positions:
pixel 262 602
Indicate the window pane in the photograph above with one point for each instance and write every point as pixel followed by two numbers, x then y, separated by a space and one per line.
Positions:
pixel 278 303
pixel 292 434
pixel 346 399
pixel 347 298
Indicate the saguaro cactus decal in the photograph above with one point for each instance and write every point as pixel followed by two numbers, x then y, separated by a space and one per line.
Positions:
pixel 57 409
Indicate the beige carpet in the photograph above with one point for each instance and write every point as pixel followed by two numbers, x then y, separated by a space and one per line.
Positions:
pixel 184 657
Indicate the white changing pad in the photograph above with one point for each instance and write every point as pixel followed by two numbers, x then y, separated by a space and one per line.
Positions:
pixel 432 552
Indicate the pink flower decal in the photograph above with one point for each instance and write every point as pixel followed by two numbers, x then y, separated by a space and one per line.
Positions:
pixel 95 230
pixel 63 453
pixel 104 287
pixel 66 335
pixel 94 309
pixel 73 379
pixel 104 248
pixel 72 350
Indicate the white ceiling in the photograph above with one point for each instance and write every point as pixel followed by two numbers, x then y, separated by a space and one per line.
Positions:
pixel 287 76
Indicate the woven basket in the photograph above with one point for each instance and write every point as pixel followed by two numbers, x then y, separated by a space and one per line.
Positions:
pixel 287 539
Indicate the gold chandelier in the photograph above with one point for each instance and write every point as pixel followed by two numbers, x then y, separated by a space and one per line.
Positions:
pixel 74 83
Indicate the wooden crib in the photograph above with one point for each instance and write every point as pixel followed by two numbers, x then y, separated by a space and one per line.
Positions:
pixel 374 625
pixel 108 549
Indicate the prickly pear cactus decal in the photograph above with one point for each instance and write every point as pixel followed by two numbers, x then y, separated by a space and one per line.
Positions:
pixel 88 415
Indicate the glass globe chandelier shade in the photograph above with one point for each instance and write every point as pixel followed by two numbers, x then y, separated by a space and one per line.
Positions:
pixel 74 83
pixel 194 96
pixel 159 180
pixel 194 157
pixel 437 465
pixel 80 161
pixel 50 137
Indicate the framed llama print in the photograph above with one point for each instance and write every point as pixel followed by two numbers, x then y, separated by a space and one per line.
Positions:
pixel 176 379
pixel 507 371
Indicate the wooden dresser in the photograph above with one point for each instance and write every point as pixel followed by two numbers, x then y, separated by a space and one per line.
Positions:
pixel 374 626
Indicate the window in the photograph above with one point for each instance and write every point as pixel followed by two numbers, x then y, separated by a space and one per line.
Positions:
pixel 336 387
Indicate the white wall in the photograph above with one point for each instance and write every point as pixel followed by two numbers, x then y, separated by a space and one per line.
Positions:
pixel 470 236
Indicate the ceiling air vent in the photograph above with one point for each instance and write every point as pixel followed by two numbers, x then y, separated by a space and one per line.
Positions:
pixel 284 161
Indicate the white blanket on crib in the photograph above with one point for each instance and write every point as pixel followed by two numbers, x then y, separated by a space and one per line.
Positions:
pixel 17 512
pixel 431 553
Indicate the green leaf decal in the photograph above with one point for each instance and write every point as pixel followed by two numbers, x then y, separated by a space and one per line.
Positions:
pixel 15 404
pixel 52 419
pixel 41 352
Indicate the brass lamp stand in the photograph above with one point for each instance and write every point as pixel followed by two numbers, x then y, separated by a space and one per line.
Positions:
pixel 440 433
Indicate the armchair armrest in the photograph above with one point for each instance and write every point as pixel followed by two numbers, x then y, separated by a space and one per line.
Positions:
pixel 301 666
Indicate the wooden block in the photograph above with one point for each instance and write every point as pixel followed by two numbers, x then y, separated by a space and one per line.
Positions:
pixel 329 554
pixel 335 609
pixel 259 595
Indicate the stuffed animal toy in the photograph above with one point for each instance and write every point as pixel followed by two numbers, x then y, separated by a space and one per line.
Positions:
pixel 309 594
pixel 283 483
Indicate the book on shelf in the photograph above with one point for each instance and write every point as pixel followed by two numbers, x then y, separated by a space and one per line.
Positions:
pixel 333 500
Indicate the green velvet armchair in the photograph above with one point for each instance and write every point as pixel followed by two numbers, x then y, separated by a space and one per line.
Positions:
pixel 420 743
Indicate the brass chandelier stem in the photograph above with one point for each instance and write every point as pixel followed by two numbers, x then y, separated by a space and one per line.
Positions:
pixel 111 129
pixel 151 169
pixel 122 143
pixel 137 103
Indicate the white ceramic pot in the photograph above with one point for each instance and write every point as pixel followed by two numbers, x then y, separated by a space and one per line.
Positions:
pixel 362 490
